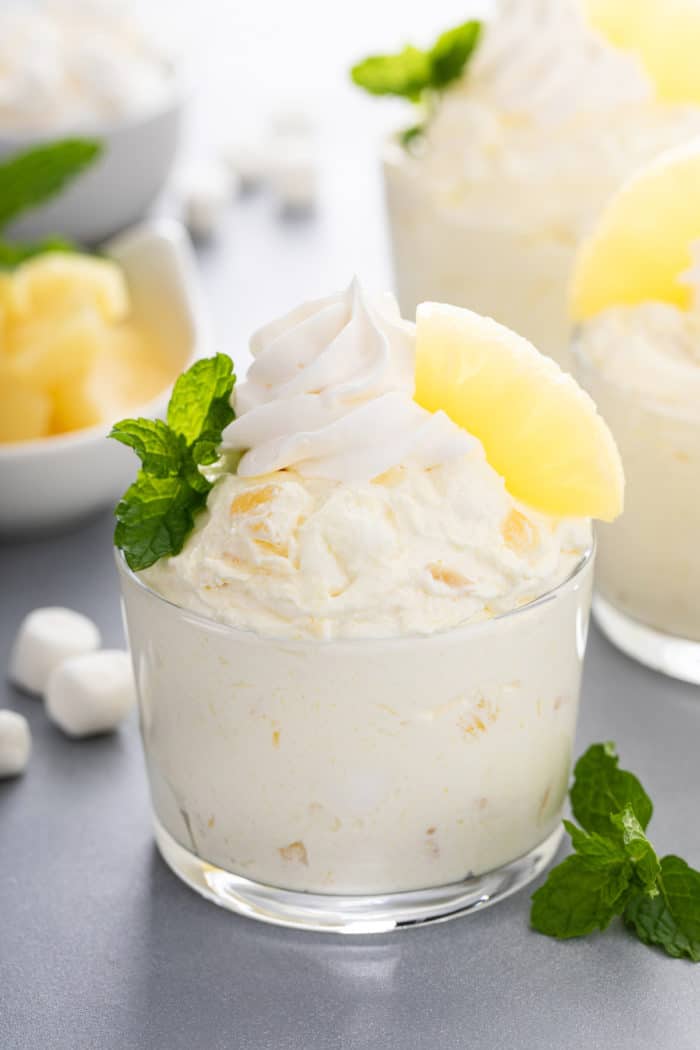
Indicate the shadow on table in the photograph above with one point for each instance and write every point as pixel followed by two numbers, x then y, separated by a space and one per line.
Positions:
pixel 258 981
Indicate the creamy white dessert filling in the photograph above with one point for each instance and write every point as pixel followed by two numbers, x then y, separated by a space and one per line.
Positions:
pixel 414 551
pixel 652 350
pixel 641 364
pixel 355 512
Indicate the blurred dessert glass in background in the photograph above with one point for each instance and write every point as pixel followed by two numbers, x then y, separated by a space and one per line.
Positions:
pixel 636 294
pixel 516 156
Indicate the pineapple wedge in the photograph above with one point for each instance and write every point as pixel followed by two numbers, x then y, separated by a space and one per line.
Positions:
pixel 642 244
pixel 664 34
pixel 540 431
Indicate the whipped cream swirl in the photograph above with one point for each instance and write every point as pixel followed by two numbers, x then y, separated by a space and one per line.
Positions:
pixel 330 394
pixel 540 58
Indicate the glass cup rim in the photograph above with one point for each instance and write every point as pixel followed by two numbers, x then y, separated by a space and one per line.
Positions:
pixel 248 634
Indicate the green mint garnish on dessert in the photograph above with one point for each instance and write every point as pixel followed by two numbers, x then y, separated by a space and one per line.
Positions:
pixel 157 513
pixel 31 178
pixel 418 75
pixel 614 869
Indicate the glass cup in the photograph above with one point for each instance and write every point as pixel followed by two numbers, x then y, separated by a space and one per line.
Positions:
pixel 359 786
pixel 447 252
pixel 648 567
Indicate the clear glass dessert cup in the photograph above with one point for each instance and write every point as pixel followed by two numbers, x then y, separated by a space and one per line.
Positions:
pixel 647 598
pixel 358 786
pixel 447 251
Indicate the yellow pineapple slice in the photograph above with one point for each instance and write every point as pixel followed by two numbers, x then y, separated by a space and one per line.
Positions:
pixel 642 244
pixel 540 431
pixel 664 34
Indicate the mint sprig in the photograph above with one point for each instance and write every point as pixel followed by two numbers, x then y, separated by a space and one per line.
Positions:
pixel 419 75
pixel 671 918
pixel 600 789
pixel 31 178
pixel 406 74
pixel 614 869
pixel 451 52
pixel 157 513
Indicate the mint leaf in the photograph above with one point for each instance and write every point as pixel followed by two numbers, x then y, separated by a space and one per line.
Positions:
pixel 157 512
pixel 159 448
pixel 601 789
pixel 30 178
pixel 615 869
pixel 638 848
pixel 409 135
pixel 596 850
pixel 200 406
pixel 154 518
pixel 406 74
pixel 451 52
pixel 13 254
pixel 191 472
pixel 412 72
pixel 579 897
pixel 671 919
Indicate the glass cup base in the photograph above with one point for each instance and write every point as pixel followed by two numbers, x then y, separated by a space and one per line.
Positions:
pixel 672 656
pixel 324 913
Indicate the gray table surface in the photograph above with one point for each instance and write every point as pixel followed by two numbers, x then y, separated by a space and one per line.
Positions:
pixel 102 948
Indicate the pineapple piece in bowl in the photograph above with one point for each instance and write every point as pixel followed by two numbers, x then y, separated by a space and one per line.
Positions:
pixel 55 465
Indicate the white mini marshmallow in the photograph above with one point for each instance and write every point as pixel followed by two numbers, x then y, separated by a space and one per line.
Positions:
pixel 205 191
pixel 293 122
pixel 45 638
pixel 92 693
pixel 294 177
pixel 248 159
pixel 15 743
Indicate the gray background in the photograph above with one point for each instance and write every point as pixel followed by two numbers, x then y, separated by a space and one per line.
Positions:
pixel 102 948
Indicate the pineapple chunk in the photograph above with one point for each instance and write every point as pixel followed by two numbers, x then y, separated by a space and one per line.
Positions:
pixel 69 356
pixel 57 283
pixel 24 411
pixel 48 353
pixel 131 370
pixel 74 406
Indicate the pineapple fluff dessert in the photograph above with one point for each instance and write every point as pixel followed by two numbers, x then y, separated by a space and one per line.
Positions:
pixel 636 297
pixel 71 356
pixel 356 512
pixel 359 671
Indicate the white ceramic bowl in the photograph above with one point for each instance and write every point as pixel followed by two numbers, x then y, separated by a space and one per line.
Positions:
pixel 54 481
pixel 119 188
